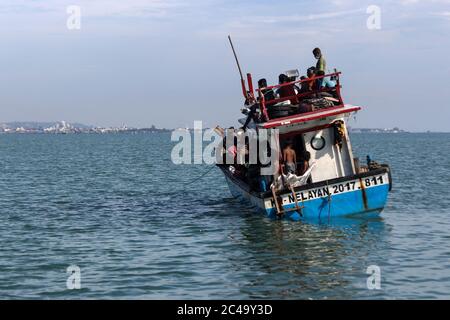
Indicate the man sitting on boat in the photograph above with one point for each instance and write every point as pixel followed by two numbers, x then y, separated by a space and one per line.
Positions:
pixel 312 84
pixel 287 90
pixel 268 93
pixel 325 82
pixel 254 112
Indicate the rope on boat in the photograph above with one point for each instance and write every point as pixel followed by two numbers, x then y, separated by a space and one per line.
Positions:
pixel 329 201
pixel 200 177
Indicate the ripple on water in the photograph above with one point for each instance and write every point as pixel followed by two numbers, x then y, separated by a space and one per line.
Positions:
pixel 139 228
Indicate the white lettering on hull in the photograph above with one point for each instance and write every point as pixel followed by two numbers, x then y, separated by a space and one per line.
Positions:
pixel 333 189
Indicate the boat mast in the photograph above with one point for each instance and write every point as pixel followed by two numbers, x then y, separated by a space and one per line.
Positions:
pixel 244 90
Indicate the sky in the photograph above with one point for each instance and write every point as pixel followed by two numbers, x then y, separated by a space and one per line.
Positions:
pixel 168 62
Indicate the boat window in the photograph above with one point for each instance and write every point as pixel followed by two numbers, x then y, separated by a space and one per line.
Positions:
pixel 298 144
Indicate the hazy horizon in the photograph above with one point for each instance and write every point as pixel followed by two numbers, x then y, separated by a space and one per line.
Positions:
pixel 168 63
pixel 191 126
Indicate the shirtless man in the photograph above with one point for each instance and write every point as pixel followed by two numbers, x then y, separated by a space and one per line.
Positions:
pixel 290 159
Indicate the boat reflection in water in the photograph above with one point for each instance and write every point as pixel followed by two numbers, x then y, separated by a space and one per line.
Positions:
pixel 328 259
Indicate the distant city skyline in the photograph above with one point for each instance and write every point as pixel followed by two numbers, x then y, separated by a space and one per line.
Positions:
pixel 168 63
pixel 65 126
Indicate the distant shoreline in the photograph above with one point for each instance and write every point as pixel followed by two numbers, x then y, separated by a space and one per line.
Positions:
pixel 63 127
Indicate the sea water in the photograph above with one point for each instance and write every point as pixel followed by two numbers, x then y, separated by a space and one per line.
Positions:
pixel 139 227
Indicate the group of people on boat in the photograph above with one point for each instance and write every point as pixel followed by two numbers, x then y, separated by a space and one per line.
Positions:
pixel 293 159
pixel 237 158
pixel 289 98
pixel 295 96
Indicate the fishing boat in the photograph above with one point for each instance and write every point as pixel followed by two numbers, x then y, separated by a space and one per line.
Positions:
pixel 335 184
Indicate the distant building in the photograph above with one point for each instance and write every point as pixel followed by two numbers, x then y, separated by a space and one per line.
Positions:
pixel 64 127
pixel 376 130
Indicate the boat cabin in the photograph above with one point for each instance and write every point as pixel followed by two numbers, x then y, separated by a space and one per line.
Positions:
pixel 324 136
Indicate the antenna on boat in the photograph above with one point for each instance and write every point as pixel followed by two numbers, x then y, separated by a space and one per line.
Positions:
pixel 244 90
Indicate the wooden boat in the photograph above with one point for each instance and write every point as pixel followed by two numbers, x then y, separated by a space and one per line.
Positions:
pixel 336 184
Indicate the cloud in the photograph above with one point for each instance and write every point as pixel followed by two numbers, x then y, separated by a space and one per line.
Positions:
pixel 442 14
pixel 95 8
pixel 408 2
pixel 130 8
pixel 304 18
pixel 315 24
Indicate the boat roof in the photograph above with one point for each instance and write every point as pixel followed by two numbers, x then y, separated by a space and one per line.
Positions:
pixel 301 121
pixel 313 116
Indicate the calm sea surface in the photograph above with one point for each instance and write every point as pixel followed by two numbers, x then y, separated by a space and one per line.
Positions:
pixel 116 206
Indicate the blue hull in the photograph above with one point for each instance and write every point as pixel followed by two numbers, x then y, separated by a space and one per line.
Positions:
pixel 346 204
pixel 320 202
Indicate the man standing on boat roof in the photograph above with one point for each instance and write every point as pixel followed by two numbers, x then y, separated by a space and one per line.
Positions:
pixel 321 63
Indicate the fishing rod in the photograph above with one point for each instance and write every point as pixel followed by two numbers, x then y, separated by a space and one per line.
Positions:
pixel 244 89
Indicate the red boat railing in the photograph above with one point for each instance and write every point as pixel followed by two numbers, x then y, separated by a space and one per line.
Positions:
pixel 298 97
